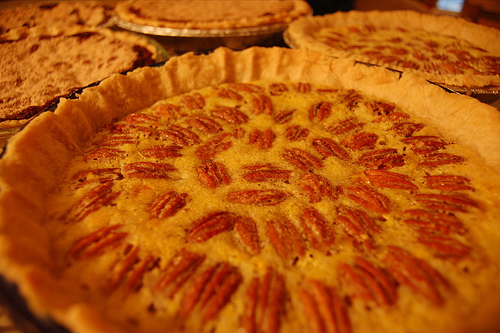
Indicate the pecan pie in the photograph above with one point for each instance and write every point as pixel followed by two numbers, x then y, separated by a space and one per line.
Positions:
pixel 267 190
pixel 211 14
pixel 443 49
pixel 39 65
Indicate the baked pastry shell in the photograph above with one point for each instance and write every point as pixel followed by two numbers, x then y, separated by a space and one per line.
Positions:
pixel 51 140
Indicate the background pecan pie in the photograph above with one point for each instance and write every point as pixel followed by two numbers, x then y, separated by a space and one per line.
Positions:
pixel 443 49
pixel 267 190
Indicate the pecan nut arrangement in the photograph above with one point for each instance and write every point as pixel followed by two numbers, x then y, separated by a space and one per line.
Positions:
pixel 267 190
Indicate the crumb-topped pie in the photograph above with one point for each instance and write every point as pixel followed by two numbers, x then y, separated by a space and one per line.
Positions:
pixel 211 14
pixel 43 63
pixel 442 49
pixel 62 13
pixel 267 190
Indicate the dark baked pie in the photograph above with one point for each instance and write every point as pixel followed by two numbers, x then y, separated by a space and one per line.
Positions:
pixel 268 190
pixel 443 49
pixel 62 13
pixel 41 64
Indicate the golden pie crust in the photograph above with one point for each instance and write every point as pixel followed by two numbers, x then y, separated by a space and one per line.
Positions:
pixel 211 14
pixel 262 190
pixel 41 64
pixel 442 49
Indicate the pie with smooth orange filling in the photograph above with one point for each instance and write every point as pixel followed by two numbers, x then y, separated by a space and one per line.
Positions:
pixel 211 14
pixel 263 190
pixel 442 49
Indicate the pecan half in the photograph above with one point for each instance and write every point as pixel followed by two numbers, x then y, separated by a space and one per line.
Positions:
pixel 230 115
pixel 446 202
pixel 361 141
pixel 303 87
pixel 407 129
pixel 213 174
pixel 368 197
pixel 368 282
pixel 104 153
pixel 166 110
pixel 213 147
pixel 97 242
pixel 327 147
pixel 320 111
pixel 283 117
pixel 324 309
pixel 210 291
pixel 438 159
pixel 285 238
pixel 416 274
pixel 142 119
pixel 277 88
pixel 420 141
pixel 257 197
pixel 381 108
pixel 431 221
pixel 388 179
pixel 117 140
pixel 162 151
pixel 204 124
pixel 194 101
pixel 246 228
pixel 351 99
pixel 266 172
pixel 209 226
pixel 445 246
pixel 317 230
pixel 296 133
pixel 247 87
pixel 302 159
pixel 359 226
pixel 262 139
pixel 178 271
pixel 264 303
pixel 130 270
pixel 167 205
pixel 148 170
pixel 130 130
pixel 448 183
pixel 317 187
pixel 382 159
pixel 262 104
pixel 180 135
pixel 229 94
pixel 101 175
pixel 96 198
pixel 346 125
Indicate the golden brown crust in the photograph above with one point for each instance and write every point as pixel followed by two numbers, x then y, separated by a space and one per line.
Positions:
pixel 211 14
pixel 66 133
pixel 305 33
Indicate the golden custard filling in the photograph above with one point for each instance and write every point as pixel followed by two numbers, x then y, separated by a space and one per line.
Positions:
pixel 270 207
